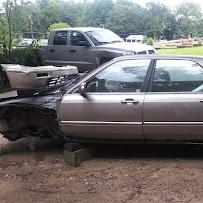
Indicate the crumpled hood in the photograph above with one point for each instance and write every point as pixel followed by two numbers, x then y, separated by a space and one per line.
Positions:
pixel 26 77
pixel 128 46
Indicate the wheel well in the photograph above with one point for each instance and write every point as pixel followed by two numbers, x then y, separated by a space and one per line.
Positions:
pixel 18 122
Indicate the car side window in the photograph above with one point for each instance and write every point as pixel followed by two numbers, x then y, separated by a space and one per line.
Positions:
pixel 76 38
pixel 177 76
pixel 122 76
pixel 60 38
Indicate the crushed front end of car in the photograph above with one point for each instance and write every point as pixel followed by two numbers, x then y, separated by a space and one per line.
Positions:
pixel 32 116
pixel 33 112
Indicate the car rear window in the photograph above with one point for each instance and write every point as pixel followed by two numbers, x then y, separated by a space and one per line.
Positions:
pixel 177 76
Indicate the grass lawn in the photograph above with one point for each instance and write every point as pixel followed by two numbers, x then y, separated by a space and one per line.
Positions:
pixel 184 51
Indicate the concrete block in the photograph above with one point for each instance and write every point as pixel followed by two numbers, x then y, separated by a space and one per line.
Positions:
pixel 75 158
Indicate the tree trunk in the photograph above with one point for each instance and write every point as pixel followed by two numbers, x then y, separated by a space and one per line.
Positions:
pixel 9 7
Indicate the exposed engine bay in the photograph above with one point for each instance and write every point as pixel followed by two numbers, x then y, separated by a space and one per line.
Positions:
pixel 23 121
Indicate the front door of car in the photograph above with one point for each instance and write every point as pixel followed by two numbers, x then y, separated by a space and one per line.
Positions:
pixel 173 109
pixel 81 52
pixel 114 110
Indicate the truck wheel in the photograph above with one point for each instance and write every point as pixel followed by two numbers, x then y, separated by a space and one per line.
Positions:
pixel 104 60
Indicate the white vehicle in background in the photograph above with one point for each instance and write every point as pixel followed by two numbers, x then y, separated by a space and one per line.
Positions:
pixel 29 38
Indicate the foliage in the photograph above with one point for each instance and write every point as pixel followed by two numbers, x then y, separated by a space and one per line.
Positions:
pixel 189 15
pixel 2 58
pixel 127 17
pixel 24 56
pixel 19 19
pixel 58 26
pixel 97 12
pixel 6 28
pixel 122 16
pixel 148 40
pixel 3 31
pixel 161 21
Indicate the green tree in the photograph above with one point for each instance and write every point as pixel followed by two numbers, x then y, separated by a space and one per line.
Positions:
pixel 6 29
pixel 97 12
pixel 200 28
pixel 58 26
pixel 127 17
pixel 188 14
pixel 47 12
pixel 20 21
pixel 161 22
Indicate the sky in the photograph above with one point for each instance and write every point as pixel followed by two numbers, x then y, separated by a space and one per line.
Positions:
pixel 172 4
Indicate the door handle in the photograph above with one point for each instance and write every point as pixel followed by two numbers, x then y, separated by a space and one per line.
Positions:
pixel 72 51
pixel 129 101
pixel 52 50
pixel 201 100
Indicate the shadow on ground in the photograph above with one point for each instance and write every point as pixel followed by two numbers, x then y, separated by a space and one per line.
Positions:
pixel 110 150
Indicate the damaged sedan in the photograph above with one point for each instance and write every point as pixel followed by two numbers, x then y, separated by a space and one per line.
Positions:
pixel 142 98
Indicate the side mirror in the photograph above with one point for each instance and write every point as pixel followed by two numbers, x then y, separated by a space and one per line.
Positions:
pixel 83 92
pixel 83 43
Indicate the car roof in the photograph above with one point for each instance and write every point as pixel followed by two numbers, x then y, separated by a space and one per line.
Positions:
pixel 83 29
pixel 163 56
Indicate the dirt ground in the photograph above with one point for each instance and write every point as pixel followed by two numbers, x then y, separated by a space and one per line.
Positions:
pixel 116 174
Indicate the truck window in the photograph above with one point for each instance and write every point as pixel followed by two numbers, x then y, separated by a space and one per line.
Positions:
pixel 76 38
pixel 60 38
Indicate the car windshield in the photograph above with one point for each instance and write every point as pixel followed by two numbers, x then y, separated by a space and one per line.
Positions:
pixel 99 37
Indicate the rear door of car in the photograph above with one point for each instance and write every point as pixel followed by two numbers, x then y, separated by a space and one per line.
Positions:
pixel 173 107
pixel 115 108
pixel 58 52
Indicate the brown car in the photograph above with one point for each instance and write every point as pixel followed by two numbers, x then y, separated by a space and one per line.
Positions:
pixel 132 98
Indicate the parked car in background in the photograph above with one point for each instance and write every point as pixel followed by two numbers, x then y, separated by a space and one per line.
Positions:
pixel 28 38
pixel 146 98
pixel 87 47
